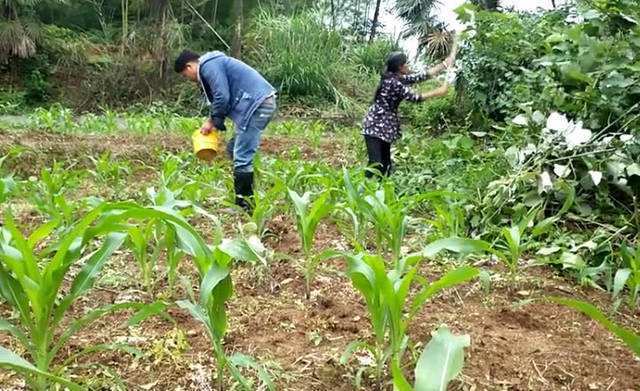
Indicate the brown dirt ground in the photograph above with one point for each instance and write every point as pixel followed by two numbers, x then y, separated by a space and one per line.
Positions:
pixel 41 149
pixel 517 341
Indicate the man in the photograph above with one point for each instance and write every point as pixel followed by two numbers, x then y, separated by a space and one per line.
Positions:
pixel 233 89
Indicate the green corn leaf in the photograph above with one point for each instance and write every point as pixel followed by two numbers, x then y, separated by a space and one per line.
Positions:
pixel 14 294
pixel 214 276
pixel 244 361
pixel 441 361
pixel 198 314
pixel 248 250
pixel 450 279
pixel 17 363
pixel 42 232
pixel 147 311
pixel 620 280
pixel 87 276
pixel 631 339
pixel 458 245
pixel 16 332
pixel 400 383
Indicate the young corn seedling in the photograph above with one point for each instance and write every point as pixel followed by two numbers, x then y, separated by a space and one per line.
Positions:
pixel 358 210
pixel 7 183
pixel 441 361
pixel 629 276
pixel 31 282
pixel 308 216
pixel 389 218
pixel 265 203
pixel 48 193
pixel 391 310
pixel 108 171
pixel 216 288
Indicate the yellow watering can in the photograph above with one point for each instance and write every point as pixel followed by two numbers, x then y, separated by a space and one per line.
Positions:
pixel 206 147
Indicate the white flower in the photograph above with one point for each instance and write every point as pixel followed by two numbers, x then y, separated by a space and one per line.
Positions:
pixel 596 177
pixel 520 120
pixel 577 135
pixel 544 182
pixel 561 171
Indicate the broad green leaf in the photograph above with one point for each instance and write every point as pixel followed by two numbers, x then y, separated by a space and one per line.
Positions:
pixel 198 314
pixel 400 383
pixel 441 361
pixel 16 332
pixel 214 276
pixel 244 361
pixel 450 279
pixel 12 360
pixel 631 339
pixel 620 280
pixel 147 311
pixel 458 245
pixel 87 276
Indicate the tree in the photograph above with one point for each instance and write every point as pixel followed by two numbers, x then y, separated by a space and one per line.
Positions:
pixel 238 11
pixel 420 22
pixel 374 24
pixel 19 31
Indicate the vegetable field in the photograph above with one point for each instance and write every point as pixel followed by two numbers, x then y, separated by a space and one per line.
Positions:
pixel 140 257
pixel 501 253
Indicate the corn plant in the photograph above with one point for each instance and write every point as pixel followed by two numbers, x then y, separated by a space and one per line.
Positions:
pixel 7 183
pixel 216 288
pixel 357 209
pixel 31 283
pixel 108 171
pixel 440 362
pixel 265 203
pixel 389 217
pixel 629 337
pixel 386 293
pixel 49 193
pixel 628 276
pixel 308 216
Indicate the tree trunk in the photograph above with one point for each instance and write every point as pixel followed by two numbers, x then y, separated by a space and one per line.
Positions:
pixel 333 15
pixel 236 47
pixel 374 24
pixel 553 3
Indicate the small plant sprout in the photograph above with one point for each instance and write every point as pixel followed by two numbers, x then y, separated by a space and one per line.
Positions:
pixel 308 216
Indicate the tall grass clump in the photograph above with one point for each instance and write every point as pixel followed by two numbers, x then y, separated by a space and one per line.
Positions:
pixel 302 57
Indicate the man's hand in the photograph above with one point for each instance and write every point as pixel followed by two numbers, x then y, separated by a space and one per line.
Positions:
pixel 207 127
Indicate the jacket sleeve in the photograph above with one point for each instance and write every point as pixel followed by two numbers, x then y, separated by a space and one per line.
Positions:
pixel 215 80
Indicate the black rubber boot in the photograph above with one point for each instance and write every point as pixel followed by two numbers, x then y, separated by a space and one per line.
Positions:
pixel 243 184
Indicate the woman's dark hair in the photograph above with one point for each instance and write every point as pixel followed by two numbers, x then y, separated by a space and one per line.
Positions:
pixel 184 58
pixel 395 61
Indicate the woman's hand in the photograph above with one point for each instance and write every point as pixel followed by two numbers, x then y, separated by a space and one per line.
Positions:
pixel 438 92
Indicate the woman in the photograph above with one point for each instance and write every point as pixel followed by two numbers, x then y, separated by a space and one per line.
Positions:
pixel 382 125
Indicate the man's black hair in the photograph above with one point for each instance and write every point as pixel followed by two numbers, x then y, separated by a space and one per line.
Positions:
pixel 184 58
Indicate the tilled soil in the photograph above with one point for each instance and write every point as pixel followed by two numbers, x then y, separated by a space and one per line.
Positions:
pixel 519 341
